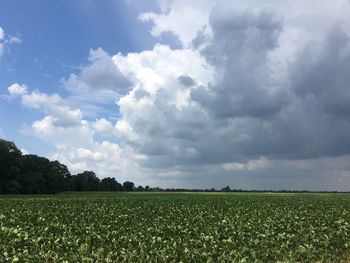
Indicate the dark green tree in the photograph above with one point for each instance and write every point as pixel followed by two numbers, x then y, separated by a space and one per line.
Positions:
pixel 128 186
pixel 140 188
pixel 10 170
pixel 110 184
pixel 85 181
pixel 226 189
pixel 31 174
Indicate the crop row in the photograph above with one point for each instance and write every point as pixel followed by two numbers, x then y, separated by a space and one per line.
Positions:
pixel 175 227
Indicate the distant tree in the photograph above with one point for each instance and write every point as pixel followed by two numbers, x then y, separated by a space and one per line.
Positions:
pixel 140 188
pixel 212 189
pixel 147 188
pixel 128 186
pixel 110 184
pixel 57 178
pixel 30 174
pixel 36 178
pixel 226 189
pixel 86 181
pixel 10 162
pixel 157 189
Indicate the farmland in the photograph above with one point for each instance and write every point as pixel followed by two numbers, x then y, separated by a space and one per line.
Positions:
pixel 173 227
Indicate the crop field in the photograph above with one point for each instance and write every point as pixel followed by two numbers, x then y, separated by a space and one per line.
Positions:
pixel 175 227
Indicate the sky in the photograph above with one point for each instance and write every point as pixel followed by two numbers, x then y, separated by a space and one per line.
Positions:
pixel 173 93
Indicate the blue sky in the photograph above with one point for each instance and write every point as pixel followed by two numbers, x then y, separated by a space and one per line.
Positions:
pixel 181 93
pixel 55 40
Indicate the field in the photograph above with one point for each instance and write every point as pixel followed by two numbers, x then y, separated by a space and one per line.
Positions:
pixel 175 227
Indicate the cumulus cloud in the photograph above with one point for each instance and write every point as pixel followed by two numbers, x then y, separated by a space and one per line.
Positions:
pixel 100 75
pixel 185 118
pixel 74 137
pixel 176 16
pixel 238 49
pixel 77 147
pixel 99 83
pixel 103 127
pixel 164 109
pixel 17 89
pixel 323 73
pixel 268 97
pixel 60 114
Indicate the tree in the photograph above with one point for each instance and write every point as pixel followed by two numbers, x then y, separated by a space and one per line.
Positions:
pixel 85 181
pixel 226 189
pixel 32 174
pixel 110 184
pixel 35 178
pixel 128 186
pixel 140 188
pixel 57 177
pixel 10 160
pixel 8 148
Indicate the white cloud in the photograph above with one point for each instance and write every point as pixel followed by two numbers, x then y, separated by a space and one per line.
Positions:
pixel 86 154
pixel 2 33
pixel 77 147
pixel 103 127
pixel 15 40
pixel 183 18
pixel 99 83
pixel 250 165
pixel 17 89
pixel 6 41
pixel 100 74
pixel 74 137
pixel 60 113
pixel 306 20
pixel 151 108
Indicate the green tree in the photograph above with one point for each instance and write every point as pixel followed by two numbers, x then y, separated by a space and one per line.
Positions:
pixel 10 167
pixel 110 184
pixel 85 181
pixel 226 189
pixel 128 186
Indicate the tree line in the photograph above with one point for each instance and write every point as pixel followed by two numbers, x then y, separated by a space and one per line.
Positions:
pixel 32 174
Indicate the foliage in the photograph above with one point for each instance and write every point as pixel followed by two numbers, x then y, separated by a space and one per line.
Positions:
pixel 110 184
pixel 31 174
pixel 175 227
pixel 128 186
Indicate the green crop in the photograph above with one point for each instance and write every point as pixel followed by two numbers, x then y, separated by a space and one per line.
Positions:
pixel 175 227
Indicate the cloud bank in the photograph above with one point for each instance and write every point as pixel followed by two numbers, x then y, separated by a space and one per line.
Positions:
pixel 256 98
